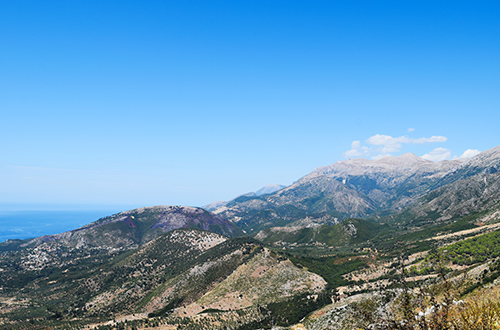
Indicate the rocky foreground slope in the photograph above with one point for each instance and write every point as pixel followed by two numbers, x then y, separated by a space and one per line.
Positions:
pixel 184 276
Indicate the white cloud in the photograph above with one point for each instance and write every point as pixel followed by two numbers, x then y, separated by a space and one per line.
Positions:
pixel 356 150
pixel 432 139
pixel 438 155
pixel 469 153
pixel 380 139
pixel 380 145
pixel 388 144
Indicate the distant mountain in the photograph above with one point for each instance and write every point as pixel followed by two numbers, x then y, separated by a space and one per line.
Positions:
pixel 215 205
pixel 473 187
pixel 361 188
pixel 136 227
pixel 388 182
pixel 351 188
pixel 269 189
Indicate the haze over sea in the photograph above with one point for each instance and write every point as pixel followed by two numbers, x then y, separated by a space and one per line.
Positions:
pixel 26 221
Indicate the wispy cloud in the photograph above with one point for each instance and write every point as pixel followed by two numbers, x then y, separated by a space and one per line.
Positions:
pixel 432 139
pixel 357 150
pixel 380 145
pixel 438 155
pixel 386 143
pixel 469 153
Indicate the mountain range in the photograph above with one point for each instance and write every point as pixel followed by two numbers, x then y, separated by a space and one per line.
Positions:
pixel 382 190
pixel 262 259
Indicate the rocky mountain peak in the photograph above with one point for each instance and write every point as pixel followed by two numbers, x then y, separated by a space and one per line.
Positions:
pixel 406 165
pixel 486 158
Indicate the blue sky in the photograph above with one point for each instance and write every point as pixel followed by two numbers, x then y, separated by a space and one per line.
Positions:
pixel 140 103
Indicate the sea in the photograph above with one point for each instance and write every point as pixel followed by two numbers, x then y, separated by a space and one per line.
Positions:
pixel 23 224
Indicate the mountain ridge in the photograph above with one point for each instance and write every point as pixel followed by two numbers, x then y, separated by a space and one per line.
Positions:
pixel 356 188
pixel 268 189
pixel 129 229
